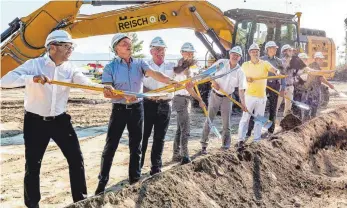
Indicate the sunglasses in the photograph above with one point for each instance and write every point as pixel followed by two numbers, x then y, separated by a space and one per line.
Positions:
pixel 66 46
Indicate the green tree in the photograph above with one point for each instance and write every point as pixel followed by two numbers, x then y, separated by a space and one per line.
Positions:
pixel 136 46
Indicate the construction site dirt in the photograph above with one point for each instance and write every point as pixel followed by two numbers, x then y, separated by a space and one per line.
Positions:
pixel 303 167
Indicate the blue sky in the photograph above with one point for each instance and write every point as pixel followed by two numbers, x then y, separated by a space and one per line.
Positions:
pixel 318 14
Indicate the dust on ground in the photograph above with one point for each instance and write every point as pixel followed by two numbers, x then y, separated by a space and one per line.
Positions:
pixel 92 110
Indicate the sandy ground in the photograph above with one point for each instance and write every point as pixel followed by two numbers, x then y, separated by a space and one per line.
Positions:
pixel 88 111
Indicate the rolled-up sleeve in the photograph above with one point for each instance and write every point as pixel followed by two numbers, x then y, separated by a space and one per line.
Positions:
pixel 107 74
pixel 145 66
pixel 20 76
pixel 242 80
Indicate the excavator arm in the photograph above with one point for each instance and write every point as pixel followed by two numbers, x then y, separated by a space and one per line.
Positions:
pixel 26 36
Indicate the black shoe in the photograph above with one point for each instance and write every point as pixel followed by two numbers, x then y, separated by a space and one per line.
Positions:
pixel 204 151
pixel 185 160
pixel 34 206
pixel 133 181
pixel 100 189
pixel 240 146
pixel 176 158
pixel 155 170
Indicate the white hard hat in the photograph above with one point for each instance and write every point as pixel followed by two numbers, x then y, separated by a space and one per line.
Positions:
pixel 254 46
pixel 270 44
pixel 58 36
pixel 285 47
pixel 236 49
pixel 319 55
pixel 188 47
pixel 158 42
pixel 116 38
pixel 303 56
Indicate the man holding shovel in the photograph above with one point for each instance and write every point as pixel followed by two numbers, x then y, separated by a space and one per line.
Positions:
pixel 45 114
pixel 279 85
pixel 255 97
pixel 157 111
pixel 125 73
pixel 312 94
pixel 218 101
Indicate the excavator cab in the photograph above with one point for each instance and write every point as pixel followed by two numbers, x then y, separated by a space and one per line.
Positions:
pixel 255 26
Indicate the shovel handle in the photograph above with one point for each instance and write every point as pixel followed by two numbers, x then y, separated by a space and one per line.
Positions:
pixel 230 98
pixel 278 93
pixel 198 93
pixel 271 77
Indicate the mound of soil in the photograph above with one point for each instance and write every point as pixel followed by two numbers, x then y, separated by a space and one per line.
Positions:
pixel 290 121
pixel 304 167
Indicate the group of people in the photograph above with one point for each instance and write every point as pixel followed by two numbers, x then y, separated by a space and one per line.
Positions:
pixel 45 104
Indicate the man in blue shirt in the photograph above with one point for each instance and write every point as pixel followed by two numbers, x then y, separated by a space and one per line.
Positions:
pixel 279 85
pixel 125 73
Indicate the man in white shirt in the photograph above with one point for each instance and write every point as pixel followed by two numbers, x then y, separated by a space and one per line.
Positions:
pixel 45 114
pixel 157 111
pixel 217 100
pixel 181 102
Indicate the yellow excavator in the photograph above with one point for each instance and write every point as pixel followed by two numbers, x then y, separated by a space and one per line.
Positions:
pixel 25 37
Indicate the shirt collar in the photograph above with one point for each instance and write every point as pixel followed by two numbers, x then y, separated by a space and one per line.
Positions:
pixel 268 57
pixel 152 62
pixel 50 62
pixel 122 60
pixel 259 62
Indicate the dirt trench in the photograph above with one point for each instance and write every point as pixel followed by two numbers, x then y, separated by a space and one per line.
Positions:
pixel 303 167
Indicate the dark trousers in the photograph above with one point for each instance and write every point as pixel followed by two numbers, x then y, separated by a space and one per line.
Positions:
pixel 272 98
pixel 132 117
pixel 37 134
pixel 157 115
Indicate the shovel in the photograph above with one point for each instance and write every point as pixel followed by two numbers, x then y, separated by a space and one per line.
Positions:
pixel 208 72
pixel 101 89
pixel 271 77
pixel 202 81
pixel 266 123
pixel 297 103
pixel 210 124
pixel 341 94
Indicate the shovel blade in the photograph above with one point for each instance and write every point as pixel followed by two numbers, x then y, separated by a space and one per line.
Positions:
pixel 343 95
pixel 302 105
pixel 213 128
pixel 216 132
pixel 266 123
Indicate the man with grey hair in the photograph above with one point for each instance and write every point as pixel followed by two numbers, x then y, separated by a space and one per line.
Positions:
pixel 125 73
pixel 156 111
pixel 217 100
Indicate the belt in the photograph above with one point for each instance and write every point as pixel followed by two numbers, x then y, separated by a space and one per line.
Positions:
pixel 44 118
pixel 289 85
pixel 158 101
pixel 185 96
pixel 219 95
pixel 273 81
pixel 121 106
